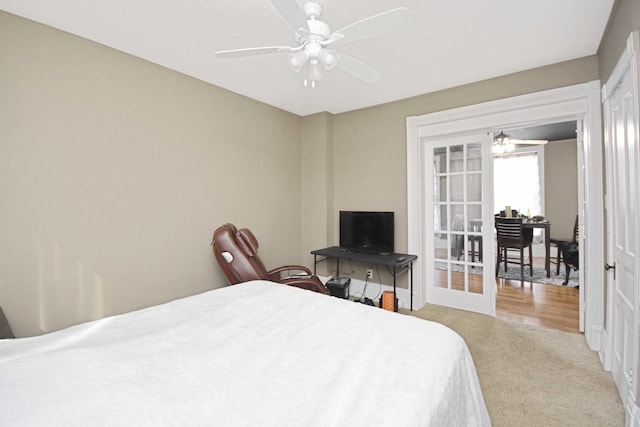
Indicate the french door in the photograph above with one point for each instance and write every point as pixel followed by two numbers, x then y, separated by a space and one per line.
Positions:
pixel 623 160
pixel 459 223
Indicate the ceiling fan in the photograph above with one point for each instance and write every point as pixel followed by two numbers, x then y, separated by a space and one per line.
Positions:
pixel 313 55
pixel 502 143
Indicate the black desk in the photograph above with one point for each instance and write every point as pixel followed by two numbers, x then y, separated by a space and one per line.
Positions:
pixel 393 266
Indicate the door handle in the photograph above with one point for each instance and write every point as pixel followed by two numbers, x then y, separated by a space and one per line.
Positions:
pixel 611 267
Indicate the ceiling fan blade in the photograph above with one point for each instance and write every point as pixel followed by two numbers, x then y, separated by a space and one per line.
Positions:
pixel 376 25
pixel 252 51
pixel 358 69
pixel 528 141
pixel 291 13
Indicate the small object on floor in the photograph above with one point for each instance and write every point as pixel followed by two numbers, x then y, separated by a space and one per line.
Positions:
pixel 388 302
pixel 339 286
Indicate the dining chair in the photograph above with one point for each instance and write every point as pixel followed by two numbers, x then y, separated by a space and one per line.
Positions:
pixel 514 213
pixel 559 243
pixel 475 226
pixel 457 238
pixel 511 236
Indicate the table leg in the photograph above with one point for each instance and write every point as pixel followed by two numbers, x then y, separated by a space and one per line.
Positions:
pixel 473 250
pixel 547 248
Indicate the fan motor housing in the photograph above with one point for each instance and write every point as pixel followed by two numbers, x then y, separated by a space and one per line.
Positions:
pixel 319 28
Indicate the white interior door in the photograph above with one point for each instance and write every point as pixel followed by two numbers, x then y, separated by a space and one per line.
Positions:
pixel 622 157
pixel 459 223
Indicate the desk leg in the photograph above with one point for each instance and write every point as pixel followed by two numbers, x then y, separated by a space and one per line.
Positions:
pixel 547 248
pixel 411 282
pixel 315 262
pixel 395 306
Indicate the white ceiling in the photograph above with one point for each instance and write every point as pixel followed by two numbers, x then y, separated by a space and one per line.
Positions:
pixel 450 42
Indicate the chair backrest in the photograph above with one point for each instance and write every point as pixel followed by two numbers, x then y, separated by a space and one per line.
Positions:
pixel 576 231
pixel 509 232
pixel 514 213
pixel 237 254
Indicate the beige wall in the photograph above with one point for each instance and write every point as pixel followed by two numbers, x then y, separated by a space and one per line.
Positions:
pixel 624 20
pixel 370 144
pixel 561 186
pixel 114 172
pixel 317 191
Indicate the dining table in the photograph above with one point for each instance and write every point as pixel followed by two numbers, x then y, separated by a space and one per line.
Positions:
pixel 546 226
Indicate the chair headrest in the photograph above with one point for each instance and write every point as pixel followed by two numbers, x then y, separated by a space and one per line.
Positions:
pixel 226 229
pixel 232 228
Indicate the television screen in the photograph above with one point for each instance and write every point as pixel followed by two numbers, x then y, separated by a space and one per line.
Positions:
pixel 367 231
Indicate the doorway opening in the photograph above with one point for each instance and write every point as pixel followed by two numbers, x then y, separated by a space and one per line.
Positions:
pixel 539 180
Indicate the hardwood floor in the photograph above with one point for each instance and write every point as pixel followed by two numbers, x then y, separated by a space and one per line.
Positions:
pixel 548 306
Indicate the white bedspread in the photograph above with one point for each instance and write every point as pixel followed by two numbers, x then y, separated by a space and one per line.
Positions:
pixel 254 354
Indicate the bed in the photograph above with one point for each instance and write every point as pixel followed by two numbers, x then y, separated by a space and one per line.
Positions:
pixel 252 354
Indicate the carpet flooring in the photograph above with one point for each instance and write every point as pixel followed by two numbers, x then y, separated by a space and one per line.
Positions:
pixel 532 376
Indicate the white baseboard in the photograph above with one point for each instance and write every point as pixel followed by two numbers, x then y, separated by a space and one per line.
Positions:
pixel 594 339
pixel 603 351
pixel 632 413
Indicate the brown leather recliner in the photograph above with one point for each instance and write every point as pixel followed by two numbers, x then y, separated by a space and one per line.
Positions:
pixel 237 254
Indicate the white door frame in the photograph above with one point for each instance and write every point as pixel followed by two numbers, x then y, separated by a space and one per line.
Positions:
pixel 578 102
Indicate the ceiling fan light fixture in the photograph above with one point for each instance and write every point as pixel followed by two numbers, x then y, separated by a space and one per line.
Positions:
pixel 501 138
pixel 501 144
pixel 297 60
pixel 315 70
pixel 329 58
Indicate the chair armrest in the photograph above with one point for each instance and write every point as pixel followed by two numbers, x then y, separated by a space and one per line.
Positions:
pixel 275 273
pixel 309 281
pixel 312 284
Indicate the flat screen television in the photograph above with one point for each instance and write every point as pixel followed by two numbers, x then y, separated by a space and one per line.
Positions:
pixel 367 231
